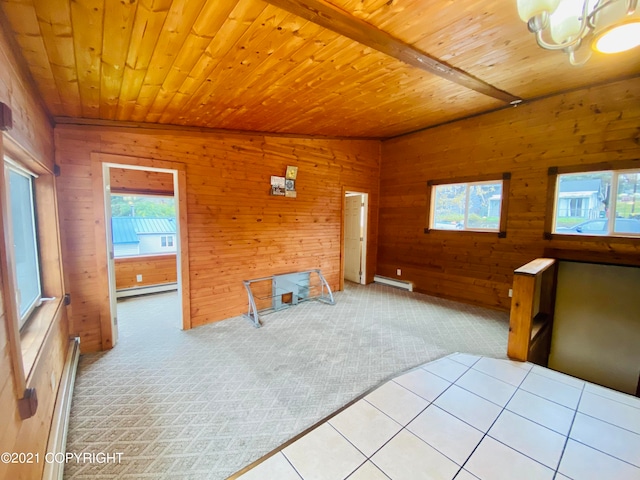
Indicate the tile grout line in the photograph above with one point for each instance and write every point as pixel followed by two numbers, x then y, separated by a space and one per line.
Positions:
pixel 469 367
pixel 290 463
pixel 368 458
pixel 609 423
pixel 604 453
pixel 566 442
pixel 485 434
pixel 404 427
pixel 613 399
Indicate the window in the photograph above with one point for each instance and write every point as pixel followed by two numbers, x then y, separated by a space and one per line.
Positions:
pixel 585 202
pixel 166 241
pixel 477 206
pixel 30 254
pixel 23 241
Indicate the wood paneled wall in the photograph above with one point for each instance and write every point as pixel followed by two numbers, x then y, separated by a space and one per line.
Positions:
pixel 236 229
pixel 126 180
pixel 155 270
pixel 33 132
pixel 581 127
pixel 32 128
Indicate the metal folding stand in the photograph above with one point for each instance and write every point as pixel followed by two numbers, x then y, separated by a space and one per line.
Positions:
pixel 296 287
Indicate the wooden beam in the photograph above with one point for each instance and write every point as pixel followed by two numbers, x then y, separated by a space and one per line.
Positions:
pixel 328 16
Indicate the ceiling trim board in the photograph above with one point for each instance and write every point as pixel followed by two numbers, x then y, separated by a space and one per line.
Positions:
pixel 186 129
pixel 332 18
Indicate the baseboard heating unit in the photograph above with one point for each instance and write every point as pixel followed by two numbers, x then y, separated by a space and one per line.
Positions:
pixel 56 446
pixel 394 283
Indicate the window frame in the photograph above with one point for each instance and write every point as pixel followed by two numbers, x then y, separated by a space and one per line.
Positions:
pixel 10 165
pixel 25 346
pixel 504 177
pixel 616 167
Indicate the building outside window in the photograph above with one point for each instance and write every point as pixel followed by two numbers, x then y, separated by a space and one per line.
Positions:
pixel 166 241
pixel 586 202
pixel 467 206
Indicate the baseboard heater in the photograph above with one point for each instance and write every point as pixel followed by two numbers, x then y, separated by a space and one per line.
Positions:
pixel 394 283
pixel 135 291
pixel 56 446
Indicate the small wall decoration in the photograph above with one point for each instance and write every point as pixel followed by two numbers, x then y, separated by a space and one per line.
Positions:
pixel 292 172
pixel 290 188
pixel 285 186
pixel 277 185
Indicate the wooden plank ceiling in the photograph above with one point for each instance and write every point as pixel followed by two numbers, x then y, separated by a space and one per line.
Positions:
pixel 357 68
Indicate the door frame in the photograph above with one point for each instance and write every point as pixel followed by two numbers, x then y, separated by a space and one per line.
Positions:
pixel 365 235
pixel 101 163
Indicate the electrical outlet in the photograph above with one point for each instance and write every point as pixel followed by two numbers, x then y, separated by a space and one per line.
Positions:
pixel 398 272
pixel 139 278
pixel 511 292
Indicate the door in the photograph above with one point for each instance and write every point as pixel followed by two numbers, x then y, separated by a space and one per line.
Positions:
pixel 352 235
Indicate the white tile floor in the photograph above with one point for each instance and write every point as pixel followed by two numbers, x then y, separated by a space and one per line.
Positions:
pixel 464 417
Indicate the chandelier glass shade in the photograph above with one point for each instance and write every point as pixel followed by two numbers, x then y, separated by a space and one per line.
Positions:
pixel 608 26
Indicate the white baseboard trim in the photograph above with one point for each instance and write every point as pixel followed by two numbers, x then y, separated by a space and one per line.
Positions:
pixel 132 292
pixel 394 283
pixel 58 434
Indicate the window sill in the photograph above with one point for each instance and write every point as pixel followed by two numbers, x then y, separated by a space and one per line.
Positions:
pixel 465 232
pixel 147 256
pixel 590 238
pixel 34 335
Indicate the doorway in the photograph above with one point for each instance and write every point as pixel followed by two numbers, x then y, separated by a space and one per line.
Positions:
pixel 147 170
pixel 355 236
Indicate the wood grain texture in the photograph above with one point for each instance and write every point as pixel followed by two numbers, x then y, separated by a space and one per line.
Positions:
pixel 128 181
pixel 100 258
pixel 32 129
pixel 327 15
pixel 521 316
pixel 489 41
pixel 583 127
pixel 155 270
pixel 236 230
pixel 535 267
pixel 252 66
pixel 32 133
pixel 532 311
pixel 17 435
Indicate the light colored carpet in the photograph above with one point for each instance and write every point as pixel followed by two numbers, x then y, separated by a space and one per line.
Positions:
pixel 206 402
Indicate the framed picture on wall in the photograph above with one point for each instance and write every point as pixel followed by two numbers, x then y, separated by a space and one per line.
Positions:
pixel 277 185
pixel 292 172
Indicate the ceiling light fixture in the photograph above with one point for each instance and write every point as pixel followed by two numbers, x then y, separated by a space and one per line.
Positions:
pixel 609 26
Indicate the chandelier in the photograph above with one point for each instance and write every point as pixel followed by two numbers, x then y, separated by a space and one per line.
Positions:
pixel 609 26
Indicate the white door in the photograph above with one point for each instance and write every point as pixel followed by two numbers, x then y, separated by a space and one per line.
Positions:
pixel 352 233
